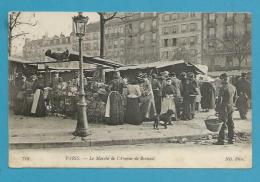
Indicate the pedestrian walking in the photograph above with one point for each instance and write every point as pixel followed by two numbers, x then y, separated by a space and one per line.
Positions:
pixel 225 103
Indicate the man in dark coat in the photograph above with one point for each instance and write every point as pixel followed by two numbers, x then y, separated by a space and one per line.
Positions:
pixel 244 95
pixel 225 103
pixel 178 99
pixel 208 93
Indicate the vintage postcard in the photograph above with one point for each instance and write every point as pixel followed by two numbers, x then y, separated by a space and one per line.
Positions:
pixel 130 90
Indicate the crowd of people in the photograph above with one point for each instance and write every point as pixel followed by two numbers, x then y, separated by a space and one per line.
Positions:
pixel 158 97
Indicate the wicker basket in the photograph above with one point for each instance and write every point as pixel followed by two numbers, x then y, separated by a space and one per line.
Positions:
pixel 213 124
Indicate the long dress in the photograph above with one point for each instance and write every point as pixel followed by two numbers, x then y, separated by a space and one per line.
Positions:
pixel 133 113
pixel 147 99
pixel 27 103
pixel 38 106
pixel 114 106
pixel 168 103
pixel 20 97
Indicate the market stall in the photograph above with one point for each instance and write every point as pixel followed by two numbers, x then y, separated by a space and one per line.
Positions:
pixel 156 67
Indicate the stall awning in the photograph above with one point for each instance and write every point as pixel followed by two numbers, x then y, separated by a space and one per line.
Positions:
pixel 180 65
pixel 74 56
pixel 72 62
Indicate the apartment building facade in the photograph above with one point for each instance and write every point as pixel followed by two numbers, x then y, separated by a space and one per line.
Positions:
pixel 226 40
pixel 180 37
pixel 34 50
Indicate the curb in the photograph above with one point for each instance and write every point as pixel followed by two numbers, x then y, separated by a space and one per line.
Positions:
pixel 174 139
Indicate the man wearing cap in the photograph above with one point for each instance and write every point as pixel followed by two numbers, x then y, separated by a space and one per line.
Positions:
pixel 178 89
pixel 225 103
pixel 244 94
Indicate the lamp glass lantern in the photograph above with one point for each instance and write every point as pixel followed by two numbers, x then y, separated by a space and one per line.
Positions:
pixel 80 24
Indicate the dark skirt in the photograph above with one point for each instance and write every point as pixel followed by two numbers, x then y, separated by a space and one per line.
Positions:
pixel 158 103
pixel 133 112
pixel 27 105
pixel 116 109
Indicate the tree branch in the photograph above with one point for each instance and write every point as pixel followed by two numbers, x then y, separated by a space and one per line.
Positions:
pixel 110 18
pixel 18 35
pixel 27 23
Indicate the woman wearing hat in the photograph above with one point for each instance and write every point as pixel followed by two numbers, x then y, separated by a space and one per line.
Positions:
pixel 114 105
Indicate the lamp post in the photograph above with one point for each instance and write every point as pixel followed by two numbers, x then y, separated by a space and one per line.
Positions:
pixel 80 24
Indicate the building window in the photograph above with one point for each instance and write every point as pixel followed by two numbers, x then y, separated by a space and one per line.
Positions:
pixel 193 40
pixel 175 29
pixel 174 42
pixel 141 51
pixel 142 38
pixel 229 61
pixel 122 42
pixel 184 28
pixel 95 45
pixel 174 16
pixel 154 36
pixel 165 30
pixel 166 55
pixel 211 44
pixel 211 32
pixel 130 27
pixel 121 29
pixel 212 17
pixel 230 15
pixel 184 41
pixel 166 17
pixel 193 27
pixel 154 23
pixel 142 25
pixel 154 49
pixel 229 30
pixel 192 14
pixel 184 15
pixel 115 44
pixel 165 43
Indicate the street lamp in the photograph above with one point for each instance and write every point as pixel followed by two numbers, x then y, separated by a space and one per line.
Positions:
pixel 80 24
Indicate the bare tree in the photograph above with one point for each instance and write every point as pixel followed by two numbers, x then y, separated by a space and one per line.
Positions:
pixel 105 17
pixel 236 44
pixel 14 28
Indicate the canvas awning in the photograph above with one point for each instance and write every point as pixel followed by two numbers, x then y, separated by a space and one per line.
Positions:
pixel 176 66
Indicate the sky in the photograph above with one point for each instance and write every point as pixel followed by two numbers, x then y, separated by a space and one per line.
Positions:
pixel 51 23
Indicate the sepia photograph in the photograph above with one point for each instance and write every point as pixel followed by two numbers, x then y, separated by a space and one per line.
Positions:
pixel 130 89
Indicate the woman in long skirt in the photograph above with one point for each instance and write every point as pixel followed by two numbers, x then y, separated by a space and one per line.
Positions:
pixel 133 113
pixel 38 106
pixel 114 106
